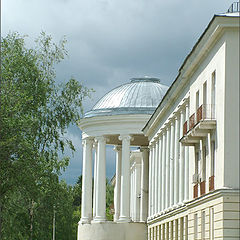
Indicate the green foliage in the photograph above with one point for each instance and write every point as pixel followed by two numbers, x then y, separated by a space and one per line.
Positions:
pixel 35 113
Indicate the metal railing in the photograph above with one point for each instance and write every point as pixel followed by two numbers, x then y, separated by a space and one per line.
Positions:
pixel 204 112
pixel 235 7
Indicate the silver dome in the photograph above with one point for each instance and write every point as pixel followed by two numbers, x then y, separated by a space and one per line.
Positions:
pixel 140 96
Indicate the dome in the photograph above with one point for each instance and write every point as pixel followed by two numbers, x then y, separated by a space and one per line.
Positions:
pixel 140 96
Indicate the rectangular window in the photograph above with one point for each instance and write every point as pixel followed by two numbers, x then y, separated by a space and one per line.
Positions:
pixel 159 232
pixel 204 164
pixel 213 94
pixel 195 226
pixel 197 100
pixel 171 230
pixel 213 158
pixel 167 231
pixel 211 223
pixel 163 232
pixel 186 228
pixel 205 93
pixel 181 228
pixel 203 225
pixel 176 229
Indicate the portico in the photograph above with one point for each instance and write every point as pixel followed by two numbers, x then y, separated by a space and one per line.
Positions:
pixel 117 120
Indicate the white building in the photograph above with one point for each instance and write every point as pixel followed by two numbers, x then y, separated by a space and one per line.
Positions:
pixel 184 181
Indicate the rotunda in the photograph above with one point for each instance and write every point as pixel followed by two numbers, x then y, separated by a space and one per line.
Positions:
pixel 117 119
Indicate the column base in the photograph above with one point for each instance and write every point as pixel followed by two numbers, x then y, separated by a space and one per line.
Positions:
pixel 98 220
pixel 116 217
pixel 123 219
pixel 84 221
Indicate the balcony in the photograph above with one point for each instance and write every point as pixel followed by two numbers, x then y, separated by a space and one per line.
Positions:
pixel 198 125
pixel 211 183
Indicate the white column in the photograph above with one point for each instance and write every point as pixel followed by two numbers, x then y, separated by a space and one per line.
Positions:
pixel 182 162
pixel 137 191
pixel 176 161
pixel 160 174
pixel 86 213
pixel 210 160
pixel 172 164
pixel 144 184
pixel 150 183
pixel 156 176
pixel 117 189
pixel 125 179
pixel 167 186
pixel 95 180
pixel 163 169
pixel 101 181
pixel 153 178
pixel 186 183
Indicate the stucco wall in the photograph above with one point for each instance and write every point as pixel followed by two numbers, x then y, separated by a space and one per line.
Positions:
pixel 112 231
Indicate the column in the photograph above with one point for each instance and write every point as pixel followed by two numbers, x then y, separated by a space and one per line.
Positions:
pixel 153 178
pixel 182 161
pixel 210 160
pixel 150 183
pixel 160 175
pixel 144 184
pixel 156 176
pixel 186 192
pixel 101 181
pixel 137 191
pixel 167 186
pixel 95 180
pixel 117 189
pixel 176 162
pixel 163 169
pixel 125 179
pixel 172 164
pixel 86 213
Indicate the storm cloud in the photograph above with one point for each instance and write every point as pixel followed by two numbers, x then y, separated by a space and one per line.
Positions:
pixel 111 41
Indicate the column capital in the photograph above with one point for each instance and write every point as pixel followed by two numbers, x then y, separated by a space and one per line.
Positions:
pixel 144 148
pixel 123 137
pixel 101 139
pixel 117 148
pixel 87 141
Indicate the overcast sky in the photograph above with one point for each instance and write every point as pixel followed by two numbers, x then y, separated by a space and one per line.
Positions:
pixel 111 41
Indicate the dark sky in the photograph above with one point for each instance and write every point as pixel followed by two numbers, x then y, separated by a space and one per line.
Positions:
pixel 111 41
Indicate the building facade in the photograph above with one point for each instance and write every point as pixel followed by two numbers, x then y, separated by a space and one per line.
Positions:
pixel 183 181
pixel 194 142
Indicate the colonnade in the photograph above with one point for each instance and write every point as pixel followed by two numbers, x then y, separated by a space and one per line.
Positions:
pixel 169 166
pixel 95 211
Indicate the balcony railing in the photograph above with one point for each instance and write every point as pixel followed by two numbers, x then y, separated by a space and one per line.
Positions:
pixel 192 121
pixel 211 183
pixel 195 191
pixel 204 112
pixel 202 187
pixel 185 128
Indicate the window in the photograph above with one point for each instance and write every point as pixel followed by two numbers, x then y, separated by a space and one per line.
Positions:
pixel 176 229
pixel 186 228
pixel 197 100
pixel 211 223
pixel 167 231
pixel 171 232
pixel 213 158
pixel 213 94
pixel 195 226
pixel 205 93
pixel 181 227
pixel 203 225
